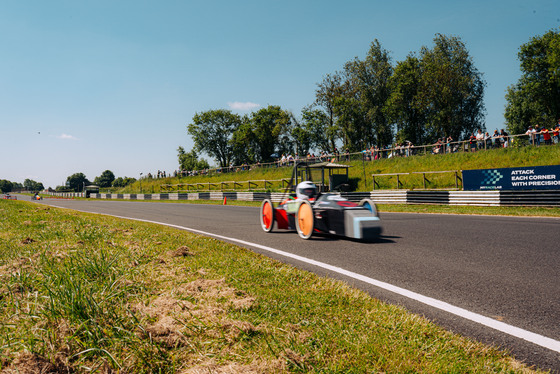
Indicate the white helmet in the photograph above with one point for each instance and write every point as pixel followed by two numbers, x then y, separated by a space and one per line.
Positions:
pixel 306 190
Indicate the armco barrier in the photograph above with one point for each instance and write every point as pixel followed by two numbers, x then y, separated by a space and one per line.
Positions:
pixel 542 198
pixel 487 198
pixel 483 198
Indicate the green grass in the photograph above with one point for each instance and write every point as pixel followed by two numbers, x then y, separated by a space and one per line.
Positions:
pixel 82 293
pixel 360 172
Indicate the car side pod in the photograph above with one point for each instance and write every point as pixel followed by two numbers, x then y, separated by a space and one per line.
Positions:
pixel 267 215
pixel 305 220
pixel 363 224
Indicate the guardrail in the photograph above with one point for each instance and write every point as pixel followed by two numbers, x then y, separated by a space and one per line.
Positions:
pixel 425 180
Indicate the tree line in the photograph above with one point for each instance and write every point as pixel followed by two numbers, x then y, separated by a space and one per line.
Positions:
pixel 77 181
pixel 434 93
pixel 437 92
pixel 28 185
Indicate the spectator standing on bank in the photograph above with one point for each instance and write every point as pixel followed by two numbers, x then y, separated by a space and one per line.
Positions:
pixel 496 139
pixel 556 134
pixel 479 139
pixel 472 142
pixel 532 135
pixel 546 136
pixel 538 135
pixel 504 138
pixel 487 141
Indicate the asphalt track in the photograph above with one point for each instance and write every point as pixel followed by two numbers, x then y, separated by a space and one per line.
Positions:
pixel 504 268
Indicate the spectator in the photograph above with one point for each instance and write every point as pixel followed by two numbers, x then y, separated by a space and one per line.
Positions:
pixel 472 142
pixel 537 135
pixel 487 141
pixel 546 136
pixel 450 147
pixel 408 148
pixel 496 139
pixel 437 147
pixel 532 135
pixel 504 138
pixel 556 134
pixel 479 139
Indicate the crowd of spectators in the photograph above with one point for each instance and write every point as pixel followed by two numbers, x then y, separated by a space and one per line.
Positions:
pixel 476 141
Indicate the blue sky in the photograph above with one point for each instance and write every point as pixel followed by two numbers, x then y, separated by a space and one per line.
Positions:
pixel 87 86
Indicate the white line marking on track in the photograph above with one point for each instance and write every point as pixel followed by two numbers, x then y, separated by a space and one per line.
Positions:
pixel 543 341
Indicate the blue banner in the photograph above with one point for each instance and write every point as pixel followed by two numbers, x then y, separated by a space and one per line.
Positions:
pixel 506 179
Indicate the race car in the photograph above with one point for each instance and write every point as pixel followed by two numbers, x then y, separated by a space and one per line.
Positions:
pixel 308 212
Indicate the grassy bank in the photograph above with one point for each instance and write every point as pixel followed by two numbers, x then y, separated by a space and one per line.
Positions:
pixel 360 172
pixel 85 293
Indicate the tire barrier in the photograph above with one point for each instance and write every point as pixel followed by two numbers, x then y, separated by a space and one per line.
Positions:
pixel 481 198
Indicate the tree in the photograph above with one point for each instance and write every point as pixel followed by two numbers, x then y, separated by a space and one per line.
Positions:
pixel 369 87
pixel 264 133
pixel 243 142
pixel 403 108
pixel 31 185
pixel 535 98
pixel 189 161
pixel 212 132
pixel 302 136
pixel 77 181
pixel 451 90
pixel 105 179
pixel 123 182
pixel 319 127
pixel 5 186
pixel 327 93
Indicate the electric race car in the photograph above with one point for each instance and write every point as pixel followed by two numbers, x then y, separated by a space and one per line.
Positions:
pixel 309 212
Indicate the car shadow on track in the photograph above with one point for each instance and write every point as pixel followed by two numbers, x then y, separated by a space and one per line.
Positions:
pixel 328 237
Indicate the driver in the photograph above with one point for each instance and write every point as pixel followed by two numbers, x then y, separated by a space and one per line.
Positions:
pixel 306 190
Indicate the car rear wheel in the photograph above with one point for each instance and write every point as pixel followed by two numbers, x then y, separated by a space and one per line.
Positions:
pixel 305 222
pixel 267 215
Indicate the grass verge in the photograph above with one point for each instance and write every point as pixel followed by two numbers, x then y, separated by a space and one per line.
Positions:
pixel 83 293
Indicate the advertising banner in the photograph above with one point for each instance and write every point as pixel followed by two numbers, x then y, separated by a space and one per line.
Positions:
pixel 526 178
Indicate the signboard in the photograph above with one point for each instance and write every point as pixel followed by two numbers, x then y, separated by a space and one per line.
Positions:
pixel 507 179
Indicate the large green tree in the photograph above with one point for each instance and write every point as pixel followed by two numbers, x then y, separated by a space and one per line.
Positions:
pixel 535 98
pixel 317 125
pixel 264 133
pixel 452 89
pixel 212 132
pixel 105 179
pixel 327 94
pixel 369 85
pixel 5 185
pixel 77 181
pixel 32 185
pixel 360 99
pixel 403 108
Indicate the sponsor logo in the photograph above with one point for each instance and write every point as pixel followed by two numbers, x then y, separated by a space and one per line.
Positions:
pixel 491 177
